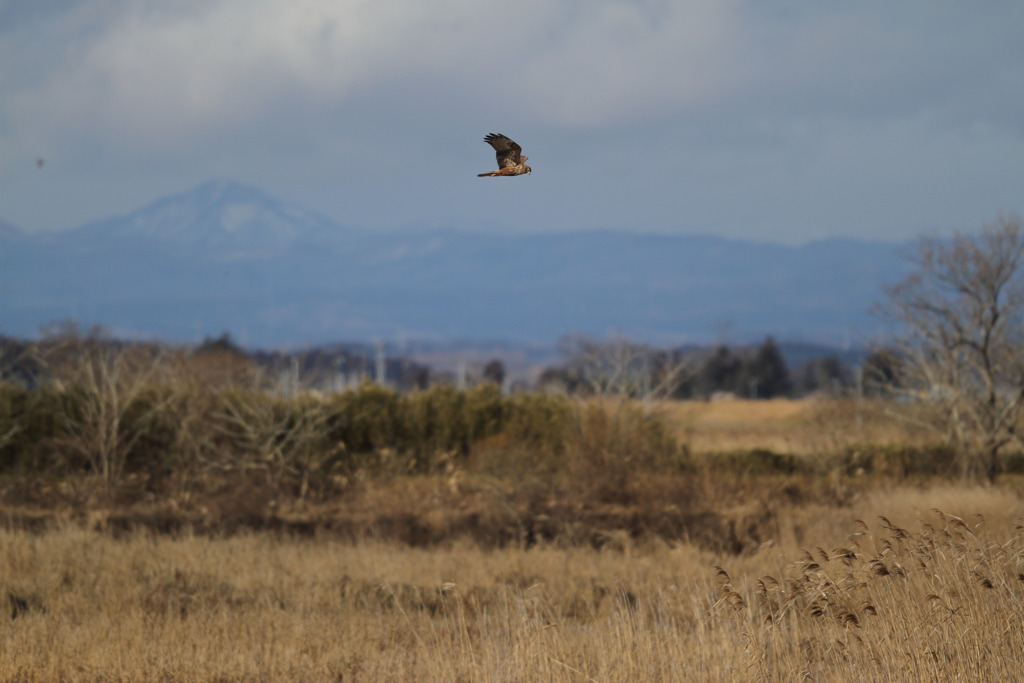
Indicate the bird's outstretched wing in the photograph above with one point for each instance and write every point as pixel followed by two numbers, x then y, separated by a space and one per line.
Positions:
pixel 507 151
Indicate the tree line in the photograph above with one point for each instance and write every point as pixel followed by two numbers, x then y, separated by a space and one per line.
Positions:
pixel 955 364
pixel 623 367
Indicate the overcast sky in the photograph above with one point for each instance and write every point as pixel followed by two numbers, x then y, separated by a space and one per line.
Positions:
pixel 779 121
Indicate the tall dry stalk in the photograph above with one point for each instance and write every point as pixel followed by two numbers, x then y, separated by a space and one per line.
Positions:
pixel 940 601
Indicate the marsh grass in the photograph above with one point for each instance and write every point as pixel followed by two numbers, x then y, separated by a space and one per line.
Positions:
pixel 905 593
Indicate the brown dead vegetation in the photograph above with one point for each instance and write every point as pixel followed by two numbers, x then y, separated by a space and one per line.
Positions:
pixel 885 589
pixel 242 534
pixel 134 442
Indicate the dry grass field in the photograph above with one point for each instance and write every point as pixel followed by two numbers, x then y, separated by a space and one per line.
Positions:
pixel 921 595
pixel 803 427
pixel 707 573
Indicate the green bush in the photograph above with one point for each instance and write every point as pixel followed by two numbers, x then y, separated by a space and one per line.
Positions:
pixel 362 422
pixel 486 411
pixel 436 426
pixel 526 439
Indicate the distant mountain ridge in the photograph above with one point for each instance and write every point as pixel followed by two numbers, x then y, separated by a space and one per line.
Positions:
pixel 228 257
pixel 217 214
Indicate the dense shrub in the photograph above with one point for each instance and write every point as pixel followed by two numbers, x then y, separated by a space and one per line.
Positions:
pixel 759 462
pixel 185 429
pixel 625 437
pixel 539 421
pixel 170 426
pixel 28 425
pixel 151 429
pixel 900 461
pixel 436 426
pixel 887 461
pixel 366 420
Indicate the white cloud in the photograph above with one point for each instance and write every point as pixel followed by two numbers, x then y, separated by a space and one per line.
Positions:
pixel 148 96
pixel 623 62
pixel 155 71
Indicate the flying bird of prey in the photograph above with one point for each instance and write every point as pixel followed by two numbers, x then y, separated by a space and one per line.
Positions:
pixel 510 157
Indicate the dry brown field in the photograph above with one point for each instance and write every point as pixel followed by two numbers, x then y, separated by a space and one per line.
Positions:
pixel 794 577
pixel 800 427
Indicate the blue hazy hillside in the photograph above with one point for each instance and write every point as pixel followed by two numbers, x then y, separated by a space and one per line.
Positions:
pixel 226 257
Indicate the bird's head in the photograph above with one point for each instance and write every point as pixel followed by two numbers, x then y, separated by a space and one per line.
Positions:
pixel 529 170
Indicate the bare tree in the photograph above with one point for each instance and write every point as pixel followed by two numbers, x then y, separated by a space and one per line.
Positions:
pixel 111 396
pixel 623 368
pixel 280 437
pixel 962 347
